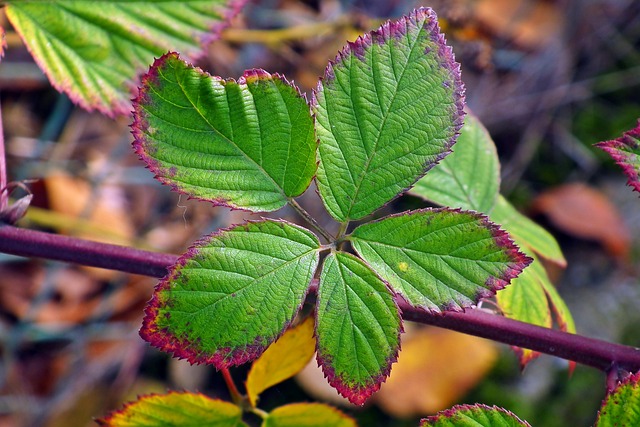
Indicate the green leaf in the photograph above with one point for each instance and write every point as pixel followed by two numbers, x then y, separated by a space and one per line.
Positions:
pixel 307 415
pixel 535 241
pixel 468 178
pixel 233 293
pixel 282 360
pixel 358 327
pixel 562 314
pixel 526 233
pixel 621 407
pixel 175 409
pixel 248 144
pixel 388 108
pixel 626 153
pixel 526 300
pixel 440 259
pixel 94 50
pixel 477 415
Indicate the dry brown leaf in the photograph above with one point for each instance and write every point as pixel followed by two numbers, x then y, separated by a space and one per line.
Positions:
pixel 436 367
pixel 587 213
pixel 530 24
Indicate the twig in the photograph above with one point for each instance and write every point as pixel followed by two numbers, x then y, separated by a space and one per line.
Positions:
pixel 4 191
pixel 236 396
pixel 587 351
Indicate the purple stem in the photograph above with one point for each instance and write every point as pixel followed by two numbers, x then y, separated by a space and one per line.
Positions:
pixel 31 243
pixel 4 193
pixel 587 351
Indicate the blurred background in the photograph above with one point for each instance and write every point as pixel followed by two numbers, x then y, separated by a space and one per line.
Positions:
pixel 548 78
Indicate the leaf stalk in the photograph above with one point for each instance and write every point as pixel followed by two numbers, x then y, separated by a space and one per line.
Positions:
pixel 307 217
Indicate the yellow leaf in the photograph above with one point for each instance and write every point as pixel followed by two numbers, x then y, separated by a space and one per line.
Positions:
pixel 175 409
pixel 435 369
pixel 308 415
pixel 282 360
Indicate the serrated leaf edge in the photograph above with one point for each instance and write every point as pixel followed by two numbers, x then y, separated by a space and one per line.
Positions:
pixel 502 239
pixel 631 380
pixel 184 349
pixel 394 28
pixel 106 420
pixel 360 395
pixel 448 413
pixel 232 8
pixel 139 123
pixel 615 149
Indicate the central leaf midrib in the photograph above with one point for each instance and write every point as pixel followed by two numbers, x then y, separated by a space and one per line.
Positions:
pixel 229 141
pixel 361 178
pixel 406 249
pixel 251 283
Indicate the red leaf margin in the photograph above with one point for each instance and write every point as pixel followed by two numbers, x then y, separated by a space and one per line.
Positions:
pixel 453 411
pixel 231 9
pixel 630 380
pixel 107 421
pixel 502 239
pixel 359 395
pixel 397 29
pixel 188 349
pixel 140 124
pixel 619 149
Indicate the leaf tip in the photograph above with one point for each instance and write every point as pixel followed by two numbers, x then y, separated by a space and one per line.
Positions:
pixel 519 261
pixel 358 394
pixel 625 151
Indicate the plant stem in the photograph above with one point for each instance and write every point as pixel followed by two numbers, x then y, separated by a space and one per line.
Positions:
pixel 342 229
pixel 4 191
pixel 272 37
pixel 30 243
pixel 307 217
pixel 231 385
pixel 587 351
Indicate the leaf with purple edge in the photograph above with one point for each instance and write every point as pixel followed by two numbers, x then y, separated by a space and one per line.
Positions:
pixel 620 406
pixel 248 144
pixel 175 409
pixel 307 415
pixel 626 153
pixel 233 293
pixel 93 51
pixel 468 178
pixel 388 108
pixel 527 233
pixel 536 242
pixel 526 300
pixel 440 259
pixel 358 327
pixel 477 415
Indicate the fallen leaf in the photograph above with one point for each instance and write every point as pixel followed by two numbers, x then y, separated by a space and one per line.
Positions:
pixel 529 24
pixel 436 367
pixel 587 213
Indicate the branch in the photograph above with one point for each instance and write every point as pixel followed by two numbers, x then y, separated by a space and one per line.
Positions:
pixel 4 191
pixel 587 351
